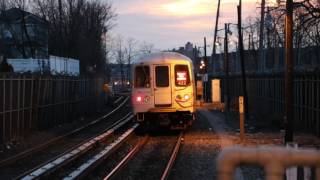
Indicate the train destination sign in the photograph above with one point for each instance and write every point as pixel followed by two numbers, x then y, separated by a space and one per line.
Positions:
pixel 182 77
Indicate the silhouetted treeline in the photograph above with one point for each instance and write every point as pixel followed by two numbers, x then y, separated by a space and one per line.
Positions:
pixel 265 49
pixel 76 28
pixel 306 26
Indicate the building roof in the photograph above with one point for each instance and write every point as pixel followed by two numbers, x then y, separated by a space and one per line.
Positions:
pixel 14 15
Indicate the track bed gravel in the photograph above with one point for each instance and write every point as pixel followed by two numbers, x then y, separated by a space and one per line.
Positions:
pixel 151 161
pixel 196 159
pixel 36 138
pixel 107 166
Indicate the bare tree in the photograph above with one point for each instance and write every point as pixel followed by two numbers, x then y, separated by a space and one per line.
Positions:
pixel 146 48
pixel 130 52
pixel 77 28
pixel 261 37
pixel 3 5
pixel 306 27
pixel 119 55
pixel 19 30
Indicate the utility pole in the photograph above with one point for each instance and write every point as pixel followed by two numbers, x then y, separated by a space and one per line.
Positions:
pixel 226 65
pixel 205 69
pixel 243 71
pixel 261 54
pixel 60 28
pixel 289 117
pixel 205 53
pixel 215 35
pixel 249 44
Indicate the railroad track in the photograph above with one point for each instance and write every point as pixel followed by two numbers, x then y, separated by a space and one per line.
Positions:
pixel 173 157
pixel 137 148
pixel 90 165
pixel 127 158
pixel 92 151
pixel 65 138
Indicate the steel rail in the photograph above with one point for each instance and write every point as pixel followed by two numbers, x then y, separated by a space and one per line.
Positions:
pixel 173 157
pixel 52 141
pixel 127 158
pixel 119 99
pixel 90 164
pixel 74 153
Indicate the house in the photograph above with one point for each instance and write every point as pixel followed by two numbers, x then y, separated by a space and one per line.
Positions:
pixel 23 35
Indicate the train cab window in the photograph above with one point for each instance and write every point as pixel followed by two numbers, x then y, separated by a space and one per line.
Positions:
pixel 142 77
pixel 162 76
pixel 182 76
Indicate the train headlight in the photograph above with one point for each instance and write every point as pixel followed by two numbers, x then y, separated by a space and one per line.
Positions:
pixel 186 97
pixel 178 97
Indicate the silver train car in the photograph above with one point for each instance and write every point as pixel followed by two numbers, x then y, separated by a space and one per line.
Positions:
pixel 163 90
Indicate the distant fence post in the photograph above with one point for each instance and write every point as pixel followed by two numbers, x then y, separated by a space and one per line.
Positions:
pixel 2 129
pixel 35 101
pixel 241 114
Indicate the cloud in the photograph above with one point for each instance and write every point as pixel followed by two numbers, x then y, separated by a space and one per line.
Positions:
pixel 185 8
pixel 168 23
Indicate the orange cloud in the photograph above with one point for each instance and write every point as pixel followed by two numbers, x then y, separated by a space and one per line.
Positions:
pixel 176 20
pixel 186 7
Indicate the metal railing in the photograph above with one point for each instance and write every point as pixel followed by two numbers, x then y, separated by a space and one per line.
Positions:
pixel 30 103
pixel 274 160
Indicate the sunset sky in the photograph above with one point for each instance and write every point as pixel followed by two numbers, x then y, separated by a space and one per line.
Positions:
pixel 171 23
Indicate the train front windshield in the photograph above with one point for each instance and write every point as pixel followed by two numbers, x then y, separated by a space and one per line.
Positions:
pixel 142 77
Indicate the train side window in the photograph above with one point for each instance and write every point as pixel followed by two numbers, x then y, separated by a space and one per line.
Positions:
pixel 142 77
pixel 182 76
pixel 162 76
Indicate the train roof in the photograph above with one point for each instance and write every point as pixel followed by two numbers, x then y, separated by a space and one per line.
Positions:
pixel 162 57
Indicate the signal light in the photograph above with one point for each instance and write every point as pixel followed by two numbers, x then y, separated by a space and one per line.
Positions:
pixel 141 99
pixel 203 67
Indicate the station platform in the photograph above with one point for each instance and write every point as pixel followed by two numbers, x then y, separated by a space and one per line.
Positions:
pixel 226 125
pixel 210 105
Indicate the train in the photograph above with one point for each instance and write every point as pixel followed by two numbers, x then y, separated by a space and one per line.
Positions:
pixel 163 90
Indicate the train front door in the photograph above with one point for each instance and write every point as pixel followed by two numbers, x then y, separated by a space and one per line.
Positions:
pixel 162 88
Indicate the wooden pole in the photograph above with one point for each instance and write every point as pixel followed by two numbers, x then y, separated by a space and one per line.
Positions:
pixel 205 69
pixel 289 117
pixel 243 71
pixel 215 35
pixel 226 65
